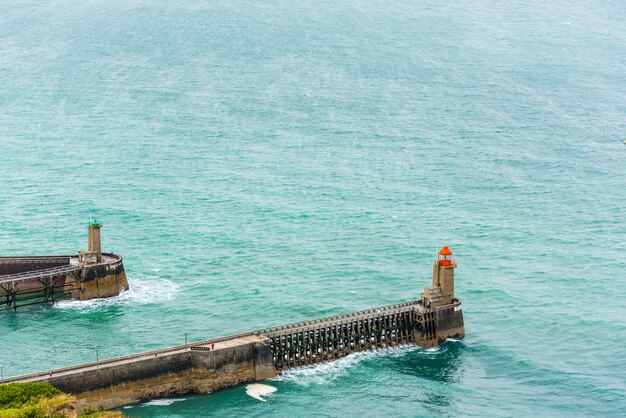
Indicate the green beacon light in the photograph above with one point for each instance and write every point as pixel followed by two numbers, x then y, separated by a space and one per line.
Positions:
pixel 96 223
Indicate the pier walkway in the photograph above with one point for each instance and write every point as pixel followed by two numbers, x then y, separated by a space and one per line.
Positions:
pixel 331 337
pixel 220 342
pixel 10 280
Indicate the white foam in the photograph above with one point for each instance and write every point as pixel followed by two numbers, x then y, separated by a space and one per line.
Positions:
pixel 325 372
pixel 163 402
pixel 143 289
pixel 258 390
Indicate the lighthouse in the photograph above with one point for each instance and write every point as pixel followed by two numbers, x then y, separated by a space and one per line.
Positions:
pixel 441 292
pixel 439 315
pixel 93 255
pixel 93 239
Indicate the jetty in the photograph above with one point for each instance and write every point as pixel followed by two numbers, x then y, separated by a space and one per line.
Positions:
pixel 206 366
pixel 28 280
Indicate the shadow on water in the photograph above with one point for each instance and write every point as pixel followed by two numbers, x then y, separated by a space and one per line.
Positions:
pixel 101 308
pixel 435 370
pixel 34 317
pixel 440 364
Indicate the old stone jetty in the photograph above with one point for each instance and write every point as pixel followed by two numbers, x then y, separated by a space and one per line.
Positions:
pixel 44 279
pixel 206 366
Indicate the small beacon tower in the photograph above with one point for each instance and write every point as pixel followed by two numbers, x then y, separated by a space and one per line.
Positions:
pixel 93 255
pixel 441 292
pixel 439 315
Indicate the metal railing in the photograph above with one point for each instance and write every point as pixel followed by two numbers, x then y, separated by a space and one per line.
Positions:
pixel 38 274
pixel 332 319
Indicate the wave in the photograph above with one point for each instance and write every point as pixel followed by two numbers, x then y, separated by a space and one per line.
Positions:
pixel 325 372
pixel 163 402
pixel 143 289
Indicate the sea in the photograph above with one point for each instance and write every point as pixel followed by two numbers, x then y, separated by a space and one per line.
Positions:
pixel 265 162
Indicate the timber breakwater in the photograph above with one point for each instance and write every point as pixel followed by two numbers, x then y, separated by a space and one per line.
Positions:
pixel 209 365
pixel 44 279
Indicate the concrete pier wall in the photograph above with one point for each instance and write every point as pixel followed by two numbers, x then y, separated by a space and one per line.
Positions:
pixel 100 281
pixel 433 326
pixel 449 323
pixel 175 371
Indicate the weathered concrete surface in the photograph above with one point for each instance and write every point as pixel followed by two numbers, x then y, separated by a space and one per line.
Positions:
pixel 449 323
pixel 100 281
pixel 442 322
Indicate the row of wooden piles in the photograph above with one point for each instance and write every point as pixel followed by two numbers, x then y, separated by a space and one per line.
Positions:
pixel 318 343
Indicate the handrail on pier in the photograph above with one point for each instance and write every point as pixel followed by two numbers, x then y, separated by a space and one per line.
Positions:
pixel 38 274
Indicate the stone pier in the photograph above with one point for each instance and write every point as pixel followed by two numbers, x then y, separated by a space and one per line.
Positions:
pixel 206 366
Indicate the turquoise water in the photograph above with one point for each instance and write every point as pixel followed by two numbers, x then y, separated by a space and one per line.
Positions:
pixel 258 163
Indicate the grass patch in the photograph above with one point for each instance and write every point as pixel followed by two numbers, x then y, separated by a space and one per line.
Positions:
pixel 17 395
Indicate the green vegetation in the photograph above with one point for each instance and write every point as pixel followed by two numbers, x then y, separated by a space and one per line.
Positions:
pixel 16 395
pixel 41 400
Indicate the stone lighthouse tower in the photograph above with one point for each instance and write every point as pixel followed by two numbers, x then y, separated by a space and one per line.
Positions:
pixel 441 292
pixel 438 315
pixel 93 255
pixel 93 239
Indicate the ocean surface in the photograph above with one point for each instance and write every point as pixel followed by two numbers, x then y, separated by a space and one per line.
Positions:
pixel 259 163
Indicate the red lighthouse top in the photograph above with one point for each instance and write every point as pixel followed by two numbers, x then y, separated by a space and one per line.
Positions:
pixel 445 256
